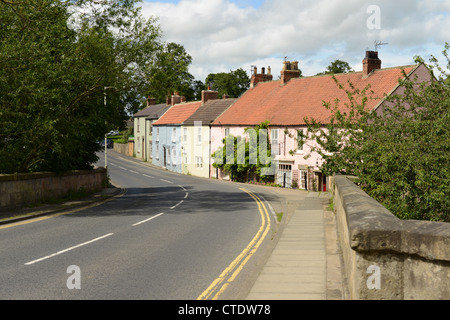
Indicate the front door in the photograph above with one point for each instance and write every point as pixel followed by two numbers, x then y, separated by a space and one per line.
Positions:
pixel 284 175
pixel 165 157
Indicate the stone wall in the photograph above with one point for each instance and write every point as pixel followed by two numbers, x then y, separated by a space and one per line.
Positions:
pixel 23 189
pixel 388 258
pixel 125 148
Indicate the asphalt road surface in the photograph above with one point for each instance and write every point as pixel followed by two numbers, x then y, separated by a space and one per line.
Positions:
pixel 167 236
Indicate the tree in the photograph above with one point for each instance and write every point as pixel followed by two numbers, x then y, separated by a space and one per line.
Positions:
pixel 337 66
pixel 242 157
pixel 170 73
pixel 197 87
pixel 233 83
pixel 399 154
pixel 55 62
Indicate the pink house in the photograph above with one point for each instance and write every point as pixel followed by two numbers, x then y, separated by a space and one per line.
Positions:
pixel 287 101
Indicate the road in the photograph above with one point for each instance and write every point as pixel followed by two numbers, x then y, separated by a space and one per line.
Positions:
pixel 167 236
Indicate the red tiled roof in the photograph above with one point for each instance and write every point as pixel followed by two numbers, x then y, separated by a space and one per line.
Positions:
pixel 289 104
pixel 178 113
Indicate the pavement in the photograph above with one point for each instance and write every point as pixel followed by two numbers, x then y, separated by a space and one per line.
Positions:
pixel 306 262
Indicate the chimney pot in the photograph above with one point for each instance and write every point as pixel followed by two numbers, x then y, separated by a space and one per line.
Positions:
pixel 289 71
pixel 260 77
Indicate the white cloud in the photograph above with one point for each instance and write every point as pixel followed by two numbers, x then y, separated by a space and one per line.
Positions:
pixel 223 35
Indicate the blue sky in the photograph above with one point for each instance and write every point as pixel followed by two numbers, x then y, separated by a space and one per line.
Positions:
pixel 223 35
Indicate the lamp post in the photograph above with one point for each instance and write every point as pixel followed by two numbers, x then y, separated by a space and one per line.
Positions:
pixel 106 144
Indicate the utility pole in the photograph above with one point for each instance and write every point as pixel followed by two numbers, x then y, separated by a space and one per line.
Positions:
pixel 106 144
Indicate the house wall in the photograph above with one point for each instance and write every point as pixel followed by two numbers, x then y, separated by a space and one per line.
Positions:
pixel 149 139
pixel 420 74
pixel 286 142
pixel 166 149
pixel 217 135
pixel 195 151
pixel 139 137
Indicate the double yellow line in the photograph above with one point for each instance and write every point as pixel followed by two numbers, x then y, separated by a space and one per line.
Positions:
pixel 220 284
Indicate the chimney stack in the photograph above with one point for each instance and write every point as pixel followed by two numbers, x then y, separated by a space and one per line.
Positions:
pixel 371 62
pixel 209 95
pixel 151 101
pixel 175 99
pixel 289 71
pixel 260 77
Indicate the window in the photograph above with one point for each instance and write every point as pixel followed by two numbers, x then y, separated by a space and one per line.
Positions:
pixel 300 141
pixel 199 162
pixel 185 134
pixel 274 136
pixel 227 132
pixel 174 156
pixel 275 148
pixel 199 135
pixel 157 150
pixel 157 134
pixel 174 134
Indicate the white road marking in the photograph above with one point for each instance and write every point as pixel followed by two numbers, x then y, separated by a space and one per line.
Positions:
pixel 177 204
pixel 166 181
pixel 123 168
pixel 68 249
pixel 186 195
pixel 145 175
pixel 134 171
pixel 137 223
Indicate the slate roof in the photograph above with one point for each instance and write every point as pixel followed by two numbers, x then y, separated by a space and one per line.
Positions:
pixel 209 111
pixel 288 104
pixel 153 111
pixel 178 113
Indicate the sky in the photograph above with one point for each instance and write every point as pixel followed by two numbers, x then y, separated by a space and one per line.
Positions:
pixel 224 35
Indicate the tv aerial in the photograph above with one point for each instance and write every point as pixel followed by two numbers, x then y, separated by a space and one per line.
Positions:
pixel 379 44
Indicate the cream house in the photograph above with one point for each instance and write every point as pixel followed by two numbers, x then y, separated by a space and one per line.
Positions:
pixel 196 134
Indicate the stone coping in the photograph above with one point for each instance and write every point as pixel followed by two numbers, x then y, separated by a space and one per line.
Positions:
pixel 40 175
pixel 371 227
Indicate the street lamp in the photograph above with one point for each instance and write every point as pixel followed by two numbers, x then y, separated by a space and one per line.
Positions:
pixel 106 144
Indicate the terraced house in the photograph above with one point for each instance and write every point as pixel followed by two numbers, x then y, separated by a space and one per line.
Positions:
pixel 196 134
pixel 143 128
pixel 166 144
pixel 286 102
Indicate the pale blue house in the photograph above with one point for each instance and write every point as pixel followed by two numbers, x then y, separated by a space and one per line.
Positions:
pixel 166 144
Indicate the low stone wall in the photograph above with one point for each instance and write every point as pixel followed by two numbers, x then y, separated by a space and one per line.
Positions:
pixel 124 148
pixel 18 190
pixel 388 258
